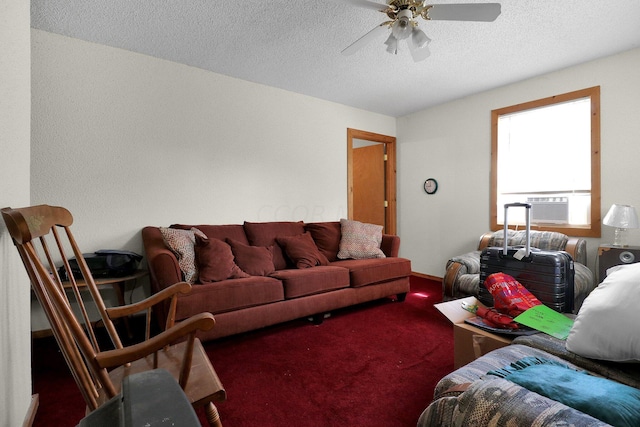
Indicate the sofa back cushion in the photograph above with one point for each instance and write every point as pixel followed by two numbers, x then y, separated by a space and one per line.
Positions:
pixel 220 232
pixel 543 240
pixel 265 234
pixel 327 237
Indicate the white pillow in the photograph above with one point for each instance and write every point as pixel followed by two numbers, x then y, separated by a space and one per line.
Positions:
pixel 607 326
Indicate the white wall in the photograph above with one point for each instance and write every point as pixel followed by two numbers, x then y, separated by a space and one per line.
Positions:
pixel 15 337
pixel 452 143
pixel 126 140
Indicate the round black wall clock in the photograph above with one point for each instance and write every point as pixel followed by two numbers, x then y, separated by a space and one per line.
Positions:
pixel 430 186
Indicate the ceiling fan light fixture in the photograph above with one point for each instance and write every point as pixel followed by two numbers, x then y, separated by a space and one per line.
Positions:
pixel 419 38
pixel 392 44
pixel 402 28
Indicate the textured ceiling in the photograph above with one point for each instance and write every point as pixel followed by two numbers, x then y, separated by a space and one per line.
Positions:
pixel 296 44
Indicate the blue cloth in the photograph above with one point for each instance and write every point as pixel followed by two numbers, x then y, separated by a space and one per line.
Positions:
pixel 606 400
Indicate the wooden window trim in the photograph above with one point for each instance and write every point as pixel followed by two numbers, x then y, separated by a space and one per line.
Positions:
pixel 592 230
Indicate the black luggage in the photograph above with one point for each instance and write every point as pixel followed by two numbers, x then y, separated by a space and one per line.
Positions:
pixel 548 275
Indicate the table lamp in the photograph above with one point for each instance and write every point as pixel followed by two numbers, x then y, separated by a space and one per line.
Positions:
pixel 622 217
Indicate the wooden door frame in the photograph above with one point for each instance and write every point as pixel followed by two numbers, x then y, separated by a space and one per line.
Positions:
pixel 390 173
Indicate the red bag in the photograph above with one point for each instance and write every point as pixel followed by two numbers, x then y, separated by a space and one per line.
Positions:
pixel 509 296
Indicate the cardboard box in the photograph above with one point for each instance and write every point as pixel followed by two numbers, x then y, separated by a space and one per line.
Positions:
pixel 469 342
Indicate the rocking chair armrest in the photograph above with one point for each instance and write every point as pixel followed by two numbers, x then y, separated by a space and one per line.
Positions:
pixel 113 358
pixel 166 293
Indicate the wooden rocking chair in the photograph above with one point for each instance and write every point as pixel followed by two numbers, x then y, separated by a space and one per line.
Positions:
pixel 42 235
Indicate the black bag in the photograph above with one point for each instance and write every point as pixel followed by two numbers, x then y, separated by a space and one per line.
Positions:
pixel 105 263
pixel 548 275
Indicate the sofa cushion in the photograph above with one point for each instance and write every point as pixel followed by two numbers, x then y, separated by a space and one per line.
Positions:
pixel 215 261
pixel 265 233
pixel 309 281
pixel 360 240
pixel 365 272
pixel 602 327
pixel 229 295
pixel 221 232
pixel 327 237
pixel 302 251
pixel 181 243
pixel 253 260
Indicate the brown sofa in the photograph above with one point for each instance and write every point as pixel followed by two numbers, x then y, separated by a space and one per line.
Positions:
pixel 287 292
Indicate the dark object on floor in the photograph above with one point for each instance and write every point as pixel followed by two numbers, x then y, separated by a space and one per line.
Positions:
pixel 151 398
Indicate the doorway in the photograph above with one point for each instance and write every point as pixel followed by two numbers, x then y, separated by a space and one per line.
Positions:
pixel 371 178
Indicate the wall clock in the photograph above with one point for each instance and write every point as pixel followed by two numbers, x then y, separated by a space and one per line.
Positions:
pixel 430 186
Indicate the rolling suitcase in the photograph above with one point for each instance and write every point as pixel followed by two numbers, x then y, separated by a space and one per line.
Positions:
pixel 548 275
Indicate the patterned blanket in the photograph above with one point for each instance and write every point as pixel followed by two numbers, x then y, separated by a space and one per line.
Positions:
pixel 492 401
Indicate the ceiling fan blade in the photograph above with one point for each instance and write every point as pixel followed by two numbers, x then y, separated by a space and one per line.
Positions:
pixel 485 12
pixel 366 4
pixel 364 40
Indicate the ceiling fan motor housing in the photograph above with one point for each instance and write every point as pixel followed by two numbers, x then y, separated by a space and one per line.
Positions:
pixel 403 25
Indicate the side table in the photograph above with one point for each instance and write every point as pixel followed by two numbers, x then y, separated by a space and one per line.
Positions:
pixel 119 285
pixel 609 256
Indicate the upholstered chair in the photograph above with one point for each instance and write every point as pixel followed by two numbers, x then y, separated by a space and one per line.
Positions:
pixel 462 277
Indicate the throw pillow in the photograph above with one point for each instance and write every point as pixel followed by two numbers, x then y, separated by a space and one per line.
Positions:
pixel 253 260
pixel 327 237
pixel 181 243
pixel 265 233
pixel 604 327
pixel 360 240
pixel 215 261
pixel 302 251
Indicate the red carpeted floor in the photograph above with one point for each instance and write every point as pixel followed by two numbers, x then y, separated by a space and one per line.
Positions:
pixel 371 365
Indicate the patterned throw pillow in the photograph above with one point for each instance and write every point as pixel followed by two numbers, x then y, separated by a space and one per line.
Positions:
pixel 360 240
pixel 181 243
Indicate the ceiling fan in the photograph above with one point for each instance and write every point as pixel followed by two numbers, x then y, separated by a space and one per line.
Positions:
pixel 404 16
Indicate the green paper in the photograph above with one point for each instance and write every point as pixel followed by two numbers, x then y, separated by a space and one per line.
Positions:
pixel 544 319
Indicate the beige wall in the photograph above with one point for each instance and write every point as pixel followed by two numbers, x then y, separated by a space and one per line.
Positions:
pixel 452 142
pixel 15 338
pixel 126 140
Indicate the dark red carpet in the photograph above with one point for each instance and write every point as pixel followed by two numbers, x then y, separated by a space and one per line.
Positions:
pixel 371 365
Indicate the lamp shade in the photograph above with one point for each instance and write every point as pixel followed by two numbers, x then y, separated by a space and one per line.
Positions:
pixel 621 216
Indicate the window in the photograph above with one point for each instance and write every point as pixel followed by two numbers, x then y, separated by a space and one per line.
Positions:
pixel 547 153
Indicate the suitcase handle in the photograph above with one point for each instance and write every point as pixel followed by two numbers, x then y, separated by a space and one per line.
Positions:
pixel 527 206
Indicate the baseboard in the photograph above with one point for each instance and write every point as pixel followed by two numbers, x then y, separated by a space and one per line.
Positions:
pixel 30 417
pixel 426 276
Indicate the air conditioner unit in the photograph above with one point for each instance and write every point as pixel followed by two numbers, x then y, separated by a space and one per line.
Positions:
pixel 549 210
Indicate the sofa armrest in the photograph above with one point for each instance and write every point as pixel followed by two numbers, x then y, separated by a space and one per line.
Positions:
pixel 484 240
pixel 462 276
pixel 390 245
pixel 577 248
pixel 164 269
